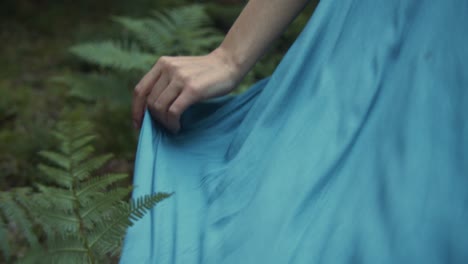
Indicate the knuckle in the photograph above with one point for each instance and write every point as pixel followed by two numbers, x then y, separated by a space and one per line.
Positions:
pixel 158 106
pixel 174 111
pixel 138 91
pixel 166 63
pixel 182 77
pixel 162 60
pixel 148 101
pixel 170 68
pixel 193 89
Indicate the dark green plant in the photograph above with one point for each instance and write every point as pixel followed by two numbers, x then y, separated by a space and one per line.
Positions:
pixel 71 216
pixel 26 115
pixel 16 219
pixel 118 64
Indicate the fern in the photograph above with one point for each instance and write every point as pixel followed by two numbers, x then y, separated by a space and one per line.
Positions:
pixel 119 63
pixel 14 216
pixel 82 218
pixel 113 55
pixel 98 86
pixel 121 217
pixel 182 31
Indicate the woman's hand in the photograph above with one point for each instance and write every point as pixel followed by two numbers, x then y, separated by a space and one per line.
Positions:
pixel 175 83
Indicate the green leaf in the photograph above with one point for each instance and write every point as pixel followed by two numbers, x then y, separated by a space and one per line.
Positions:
pixel 83 171
pixel 60 199
pixel 56 175
pixel 58 159
pixel 81 142
pixel 122 217
pixel 67 249
pixel 81 154
pixel 60 221
pixel 112 55
pixel 15 213
pixel 96 184
pixel 92 211
pixel 4 241
pixel 98 87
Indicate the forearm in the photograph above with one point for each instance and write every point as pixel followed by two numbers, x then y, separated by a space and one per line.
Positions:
pixel 261 22
pixel 175 83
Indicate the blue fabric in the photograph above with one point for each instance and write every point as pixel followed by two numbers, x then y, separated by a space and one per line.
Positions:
pixel 354 151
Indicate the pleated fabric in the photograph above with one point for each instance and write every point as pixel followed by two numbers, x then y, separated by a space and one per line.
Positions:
pixel 355 150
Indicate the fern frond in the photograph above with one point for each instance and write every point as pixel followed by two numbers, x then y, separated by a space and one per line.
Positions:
pixel 82 218
pixel 4 241
pixel 67 132
pixel 93 212
pixel 56 175
pixel 189 15
pixel 168 22
pixel 57 158
pixel 205 33
pixel 15 213
pixel 97 86
pixel 184 30
pixel 139 206
pixel 61 199
pixel 60 136
pixel 66 244
pixel 140 29
pixel 59 221
pixel 81 142
pixel 4 231
pixel 67 249
pixel 161 38
pixel 96 184
pixel 73 130
pixel 110 235
pixel 110 54
pixel 84 170
pixel 81 154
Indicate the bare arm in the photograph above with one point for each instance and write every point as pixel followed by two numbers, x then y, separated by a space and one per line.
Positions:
pixel 261 22
pixel 175 83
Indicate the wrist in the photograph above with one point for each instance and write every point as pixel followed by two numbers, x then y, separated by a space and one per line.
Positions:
pixel 235 66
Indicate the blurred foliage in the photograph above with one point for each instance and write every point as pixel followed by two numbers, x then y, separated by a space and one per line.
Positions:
pixel 118 64
pixel 24 131
pixel 70 216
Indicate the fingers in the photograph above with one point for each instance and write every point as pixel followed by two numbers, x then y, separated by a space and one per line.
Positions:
pixel 158 88
pixel 141 92
pixel 160 106
pixel 168 90
pixel 171 103
pixel 153 97
pixel 185 99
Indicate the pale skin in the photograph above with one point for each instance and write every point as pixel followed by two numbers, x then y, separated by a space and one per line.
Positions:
pixel 175 83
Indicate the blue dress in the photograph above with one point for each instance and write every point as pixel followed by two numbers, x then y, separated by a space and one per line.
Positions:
pixel 355 150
